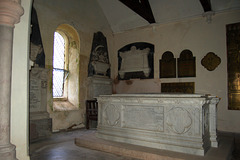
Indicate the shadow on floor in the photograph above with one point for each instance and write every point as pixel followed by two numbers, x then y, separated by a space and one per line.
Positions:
pixel 236 150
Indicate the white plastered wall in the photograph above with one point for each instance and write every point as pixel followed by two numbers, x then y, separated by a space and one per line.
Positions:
pixel 199 37
pixel 86 18
pixel 20 83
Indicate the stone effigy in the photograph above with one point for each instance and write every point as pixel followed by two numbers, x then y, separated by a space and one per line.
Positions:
pixel 177 122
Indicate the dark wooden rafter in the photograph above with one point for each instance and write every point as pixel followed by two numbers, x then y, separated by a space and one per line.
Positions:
pixel 141 7
pixel 206 4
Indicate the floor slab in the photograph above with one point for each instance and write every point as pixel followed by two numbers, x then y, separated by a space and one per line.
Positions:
pixel 223 152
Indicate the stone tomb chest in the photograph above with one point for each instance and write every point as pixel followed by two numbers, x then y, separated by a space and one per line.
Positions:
pixel 177 122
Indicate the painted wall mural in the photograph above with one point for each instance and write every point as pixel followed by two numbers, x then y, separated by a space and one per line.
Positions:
pixel 135 60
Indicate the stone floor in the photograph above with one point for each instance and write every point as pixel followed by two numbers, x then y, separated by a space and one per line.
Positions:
pixel 236 150
pixel 60 146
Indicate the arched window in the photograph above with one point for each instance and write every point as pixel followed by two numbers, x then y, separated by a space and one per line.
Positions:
pixel 59 65
pixel 66 69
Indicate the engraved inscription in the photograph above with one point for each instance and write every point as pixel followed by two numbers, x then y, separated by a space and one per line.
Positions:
pixel 35 93
pixel 143 117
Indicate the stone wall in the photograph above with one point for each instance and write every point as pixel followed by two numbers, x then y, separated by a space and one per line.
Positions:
pixel 50 16
pixel 199 37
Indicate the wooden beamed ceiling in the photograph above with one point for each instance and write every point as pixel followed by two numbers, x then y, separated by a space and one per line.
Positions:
pixel 141 7
pixel 206 4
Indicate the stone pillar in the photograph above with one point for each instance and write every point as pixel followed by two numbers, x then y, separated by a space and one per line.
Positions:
pixel 213 120
pixel 10 12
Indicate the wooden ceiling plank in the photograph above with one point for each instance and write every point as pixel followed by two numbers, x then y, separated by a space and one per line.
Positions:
pixel 206 4
pixel 141 7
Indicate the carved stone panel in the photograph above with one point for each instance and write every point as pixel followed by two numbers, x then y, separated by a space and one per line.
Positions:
pixel 167 65
pixel 38 90
pixel 150 118
pixel 35 93
pixel 135 61
pixel 111 115
pixel 186 64
pixel 233 65
pixel 98 85
pixel 179 120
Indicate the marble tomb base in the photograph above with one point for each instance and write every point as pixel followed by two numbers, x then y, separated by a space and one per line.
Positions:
pixel 90 141
pixel 183 123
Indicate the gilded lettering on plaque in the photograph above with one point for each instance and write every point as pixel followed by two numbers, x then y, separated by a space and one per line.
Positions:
pixel 181 87
pixel 233 65
pixel 186 64
pixel 167 65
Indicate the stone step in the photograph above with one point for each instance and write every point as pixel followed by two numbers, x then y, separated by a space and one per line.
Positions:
pixel 223 152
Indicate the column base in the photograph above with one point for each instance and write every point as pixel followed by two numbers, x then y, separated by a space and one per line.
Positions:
pixel 8 152
pixel 214 141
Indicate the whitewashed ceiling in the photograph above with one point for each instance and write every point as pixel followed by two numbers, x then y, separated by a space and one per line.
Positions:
pixel 121 18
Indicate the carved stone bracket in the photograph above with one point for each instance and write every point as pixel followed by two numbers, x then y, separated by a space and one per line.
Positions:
pixel 208 16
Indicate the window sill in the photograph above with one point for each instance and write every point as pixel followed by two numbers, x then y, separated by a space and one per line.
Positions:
pixel 59 99
pixel 63 105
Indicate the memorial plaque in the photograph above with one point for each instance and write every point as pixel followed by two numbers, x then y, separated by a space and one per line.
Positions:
pixel 35 93
pixel 135 60
pixel 38 89
pixel 233 65
pixel 99 60
pixel 167 65
pixel 181 87
pixel 211 61
pixel 186 64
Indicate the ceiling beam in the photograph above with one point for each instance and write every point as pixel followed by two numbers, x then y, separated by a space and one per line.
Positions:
pixel 206 4
pixel 141 7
